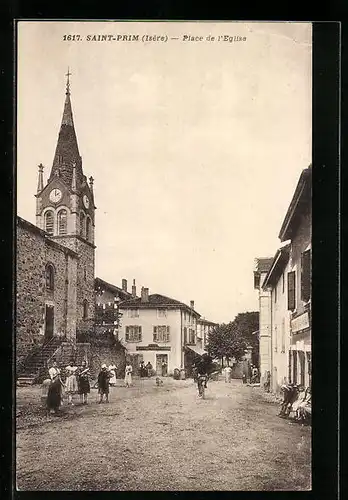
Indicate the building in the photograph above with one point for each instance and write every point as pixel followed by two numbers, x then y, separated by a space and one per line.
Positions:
pixel 276 282
pixel 204 327
pixel 55 297
pixel 262 266
pixel 108 297
pixel 285 295
pixel 297 227
pixel 157 328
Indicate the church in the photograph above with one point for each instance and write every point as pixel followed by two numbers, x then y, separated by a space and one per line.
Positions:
pixel 55 297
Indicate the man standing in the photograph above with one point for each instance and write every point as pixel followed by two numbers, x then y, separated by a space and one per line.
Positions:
pixel 164 368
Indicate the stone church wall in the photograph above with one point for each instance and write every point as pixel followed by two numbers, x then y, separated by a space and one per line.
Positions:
pixel 34 251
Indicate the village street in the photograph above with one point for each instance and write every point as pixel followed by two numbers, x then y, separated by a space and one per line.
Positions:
pixel 162 438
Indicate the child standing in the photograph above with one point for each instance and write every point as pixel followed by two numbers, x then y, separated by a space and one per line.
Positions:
pixel 128 375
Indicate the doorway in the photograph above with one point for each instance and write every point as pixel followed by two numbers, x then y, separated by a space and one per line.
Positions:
pixel 162 369
pixel 49 323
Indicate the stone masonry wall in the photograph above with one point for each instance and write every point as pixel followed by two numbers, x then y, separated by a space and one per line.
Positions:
pixel 34 251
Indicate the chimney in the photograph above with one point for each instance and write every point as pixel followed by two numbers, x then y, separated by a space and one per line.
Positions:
pixel 192 304
pixel 134 290
pixel 124 285
pixel 144 294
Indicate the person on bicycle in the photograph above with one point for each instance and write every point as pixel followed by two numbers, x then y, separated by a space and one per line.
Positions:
pixel 202 367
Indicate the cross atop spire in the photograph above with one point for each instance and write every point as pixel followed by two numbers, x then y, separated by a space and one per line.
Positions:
pixel 68 74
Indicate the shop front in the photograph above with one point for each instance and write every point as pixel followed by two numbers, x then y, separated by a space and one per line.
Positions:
pixel 300 355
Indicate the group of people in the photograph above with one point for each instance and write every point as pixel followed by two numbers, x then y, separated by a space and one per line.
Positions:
pixel 145 370
pixel 252 376
pixel 77 381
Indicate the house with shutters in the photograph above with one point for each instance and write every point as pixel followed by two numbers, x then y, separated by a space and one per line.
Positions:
pixel 286 293
pixel 158 329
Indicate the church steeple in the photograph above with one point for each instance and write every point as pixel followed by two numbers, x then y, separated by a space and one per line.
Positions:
pixel 67 150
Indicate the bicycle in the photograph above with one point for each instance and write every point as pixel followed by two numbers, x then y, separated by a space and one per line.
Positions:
pixel 202 384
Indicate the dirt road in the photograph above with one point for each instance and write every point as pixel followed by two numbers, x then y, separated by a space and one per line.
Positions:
pixel 163 438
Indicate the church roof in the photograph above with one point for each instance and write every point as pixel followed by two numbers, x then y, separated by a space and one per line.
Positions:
pixel 67 150
pixel 45 236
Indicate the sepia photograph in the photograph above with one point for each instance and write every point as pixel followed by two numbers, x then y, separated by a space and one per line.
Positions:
pixel 163 256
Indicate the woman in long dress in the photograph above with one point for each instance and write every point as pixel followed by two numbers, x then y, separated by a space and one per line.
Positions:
pixel 112 371
pixel 54 393
pixel 83 382
pixel 128 375
pixel 71 386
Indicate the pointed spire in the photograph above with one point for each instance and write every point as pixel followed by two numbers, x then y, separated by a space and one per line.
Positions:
pixel 40 179
pixel 73 182
pixel 68 82
pixel 67 150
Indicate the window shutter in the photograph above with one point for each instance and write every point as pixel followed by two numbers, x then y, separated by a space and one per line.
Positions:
pixel 127 333
pixel 139 334
pixel 168 333
pixel 291 290
pixel 306 276
pixel 155 333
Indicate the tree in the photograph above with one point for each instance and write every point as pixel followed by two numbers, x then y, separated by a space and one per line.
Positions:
pixel 247 325
pixel 224 341
pixel 232 339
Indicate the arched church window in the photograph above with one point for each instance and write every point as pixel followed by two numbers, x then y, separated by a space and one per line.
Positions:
pixel 49 277
pixel 82 224
pixel 88 229
pixel 85 309
pixel 49 222
pixel 62 221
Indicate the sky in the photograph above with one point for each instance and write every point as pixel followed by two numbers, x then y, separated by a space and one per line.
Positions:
pixel 195 147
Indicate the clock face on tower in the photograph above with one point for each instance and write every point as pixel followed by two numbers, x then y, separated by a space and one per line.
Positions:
pixel 55 195
pixel 86 201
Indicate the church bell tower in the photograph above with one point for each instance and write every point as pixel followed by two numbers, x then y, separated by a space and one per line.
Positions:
pixel 65 210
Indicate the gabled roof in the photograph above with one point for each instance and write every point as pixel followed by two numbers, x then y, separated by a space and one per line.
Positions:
pixel 300 200
pixel 262 264
pixel 279 262
pixel 45 236
pixel 156 301
pixel 98 282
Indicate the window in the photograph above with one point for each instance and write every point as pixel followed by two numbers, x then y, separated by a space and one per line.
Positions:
pixel 85 309
pixel 133 313
pixel 161 333
pixel 291 291
pixel 256 281
pixel 49 222
pixel 82 224
pixel 283 335
pixel 192 336
pixel 62 222
pixel 185 335
pixel 49 277
pixel 275 294
pixel 88 228
pixel 283 282
pixel 306 276
pixel 161 313
pixel 133 333
pixel 84 273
